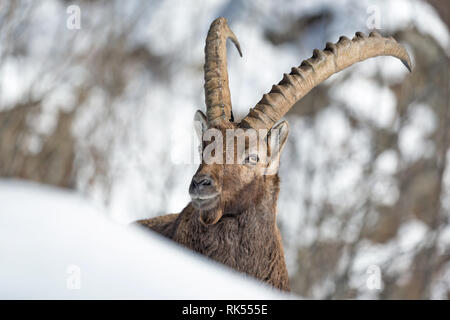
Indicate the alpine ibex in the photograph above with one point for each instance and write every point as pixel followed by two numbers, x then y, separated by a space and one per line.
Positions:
pixel 232 215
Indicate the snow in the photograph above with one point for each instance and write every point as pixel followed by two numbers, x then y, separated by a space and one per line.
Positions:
pixel 401 13
pixel 393 257
pixel 413 139
pixel 48 235
pixel 367 99
pixel 411 234
pixel 387 162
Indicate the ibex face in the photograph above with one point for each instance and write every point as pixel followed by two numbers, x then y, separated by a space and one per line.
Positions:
pixel 235 167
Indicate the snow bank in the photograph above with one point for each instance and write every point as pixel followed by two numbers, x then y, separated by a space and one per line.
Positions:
pixel 55 245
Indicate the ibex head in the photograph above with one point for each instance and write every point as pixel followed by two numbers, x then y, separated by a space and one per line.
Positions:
pixel 240 159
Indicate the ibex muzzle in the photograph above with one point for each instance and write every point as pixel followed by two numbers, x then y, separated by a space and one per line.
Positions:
pixel 203 191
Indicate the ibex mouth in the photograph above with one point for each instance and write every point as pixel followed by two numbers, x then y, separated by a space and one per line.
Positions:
pixel 203 196
pixel 204 202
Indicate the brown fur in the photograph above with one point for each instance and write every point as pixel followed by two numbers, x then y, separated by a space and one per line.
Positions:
pixel 245 238
pixel 240 230
pixel 161 223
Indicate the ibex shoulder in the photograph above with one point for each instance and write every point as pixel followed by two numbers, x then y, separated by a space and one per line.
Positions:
pixel 159 224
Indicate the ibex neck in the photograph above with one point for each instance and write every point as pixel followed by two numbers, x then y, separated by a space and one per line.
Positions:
pixel 261 199
pixel 246 240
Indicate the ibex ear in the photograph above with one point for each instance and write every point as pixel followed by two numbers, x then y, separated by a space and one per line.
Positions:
pixel 276 140
pixel 200 124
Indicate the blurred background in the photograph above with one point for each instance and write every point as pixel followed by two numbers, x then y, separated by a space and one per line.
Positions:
pixel 99 97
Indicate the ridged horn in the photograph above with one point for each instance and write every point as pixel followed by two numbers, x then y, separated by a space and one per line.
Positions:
pixel 334 58
pixel 217 92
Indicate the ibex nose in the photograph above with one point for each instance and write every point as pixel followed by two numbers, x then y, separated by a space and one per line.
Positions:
pixel 200 182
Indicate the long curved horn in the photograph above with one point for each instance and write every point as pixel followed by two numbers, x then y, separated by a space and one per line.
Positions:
pixel 311 72
pixel 217 92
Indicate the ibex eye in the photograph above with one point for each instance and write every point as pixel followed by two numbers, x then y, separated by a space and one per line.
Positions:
pixel 252 159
